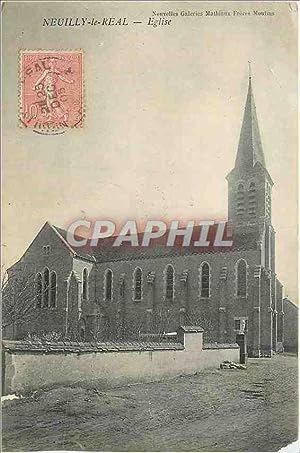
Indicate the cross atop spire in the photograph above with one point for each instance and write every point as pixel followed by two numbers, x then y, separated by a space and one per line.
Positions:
pixel 250 148
pixel 249 68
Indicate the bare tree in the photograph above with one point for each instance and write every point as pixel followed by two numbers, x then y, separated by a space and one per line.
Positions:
pixel 19 298
pixel 203 320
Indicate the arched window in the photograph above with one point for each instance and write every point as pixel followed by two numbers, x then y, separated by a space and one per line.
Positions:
pixel 108 285
pixel 240 200
pixel 268 200
pixel 85 284
pixel 137 284
pixel 169 282
pixel 46 288
pixel 39 290
pixel 53 283
pixel 252 199
pixel 205 280
pixel 241 278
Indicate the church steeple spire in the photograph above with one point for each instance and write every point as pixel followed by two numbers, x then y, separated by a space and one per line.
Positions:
pixel 250 148
pixel 249 182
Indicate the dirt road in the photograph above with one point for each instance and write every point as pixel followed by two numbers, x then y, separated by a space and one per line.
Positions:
pixel 215 410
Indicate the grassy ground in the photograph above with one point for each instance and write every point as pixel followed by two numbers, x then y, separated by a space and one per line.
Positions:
pixel 215 410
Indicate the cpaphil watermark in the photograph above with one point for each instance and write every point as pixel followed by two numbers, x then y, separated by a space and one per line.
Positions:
pixel 97 233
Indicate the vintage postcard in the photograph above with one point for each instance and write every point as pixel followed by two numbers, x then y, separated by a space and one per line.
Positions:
pixel 149 226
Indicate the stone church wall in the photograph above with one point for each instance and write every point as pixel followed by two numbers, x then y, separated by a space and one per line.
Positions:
pixel 153 312
pixel 125 318
pixel 35 260
pixel 291 326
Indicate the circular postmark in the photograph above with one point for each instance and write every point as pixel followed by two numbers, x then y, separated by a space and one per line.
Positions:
pixel 51 91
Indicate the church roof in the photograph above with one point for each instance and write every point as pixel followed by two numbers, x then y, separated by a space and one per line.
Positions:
pixel 250 149
pixel 105 252
pixel 78 251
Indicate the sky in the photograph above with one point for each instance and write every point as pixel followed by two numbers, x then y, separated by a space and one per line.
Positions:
pixel 163 112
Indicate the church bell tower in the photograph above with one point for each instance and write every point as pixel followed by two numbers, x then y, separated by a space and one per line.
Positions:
pixel 250 190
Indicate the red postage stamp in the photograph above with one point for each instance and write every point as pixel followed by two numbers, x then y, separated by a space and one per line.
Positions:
pixel 51 94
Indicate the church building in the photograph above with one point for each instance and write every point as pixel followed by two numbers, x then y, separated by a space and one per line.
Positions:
pixel 131 293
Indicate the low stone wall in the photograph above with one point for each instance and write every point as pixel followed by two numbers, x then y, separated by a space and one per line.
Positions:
pixel 28 366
